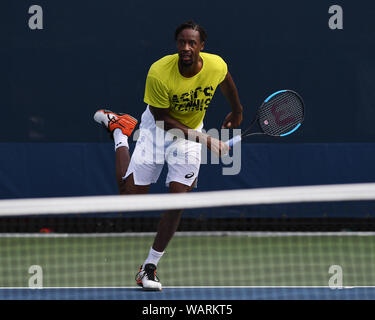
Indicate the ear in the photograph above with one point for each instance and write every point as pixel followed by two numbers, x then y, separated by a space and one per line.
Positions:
pixel 202 46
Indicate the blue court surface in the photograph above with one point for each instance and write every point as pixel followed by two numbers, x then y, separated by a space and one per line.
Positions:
pixel 191 293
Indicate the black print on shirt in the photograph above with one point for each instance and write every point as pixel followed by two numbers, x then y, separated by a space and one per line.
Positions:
pixel 195 100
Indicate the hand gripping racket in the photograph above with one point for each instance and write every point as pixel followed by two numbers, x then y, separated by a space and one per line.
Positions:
pixel 281 114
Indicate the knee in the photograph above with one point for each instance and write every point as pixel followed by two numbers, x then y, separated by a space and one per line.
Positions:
pixel 122 188
pixel 129 187
pixel 176 187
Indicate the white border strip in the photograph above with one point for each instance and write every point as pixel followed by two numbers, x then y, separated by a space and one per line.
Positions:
pixel 190 234
pixel 155 202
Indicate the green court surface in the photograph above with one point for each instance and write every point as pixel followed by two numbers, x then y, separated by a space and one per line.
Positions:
pixel 240 260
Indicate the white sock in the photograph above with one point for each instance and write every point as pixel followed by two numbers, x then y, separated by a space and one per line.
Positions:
pixel 121 140
pixel 153 257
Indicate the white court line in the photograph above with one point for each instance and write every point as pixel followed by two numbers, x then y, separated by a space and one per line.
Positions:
pixel 191 287
pixel 189 234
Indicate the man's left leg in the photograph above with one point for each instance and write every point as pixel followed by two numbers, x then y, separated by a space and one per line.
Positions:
pixel 183 158
pixel 170 219
pixel 167 227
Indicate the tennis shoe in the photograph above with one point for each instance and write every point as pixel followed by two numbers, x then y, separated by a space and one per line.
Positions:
pixel 147 278
pixel 111 121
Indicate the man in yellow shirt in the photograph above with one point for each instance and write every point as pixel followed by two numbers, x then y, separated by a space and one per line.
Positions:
pixel 178 91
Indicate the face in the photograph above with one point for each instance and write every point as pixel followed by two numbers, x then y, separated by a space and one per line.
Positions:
pixel 188 46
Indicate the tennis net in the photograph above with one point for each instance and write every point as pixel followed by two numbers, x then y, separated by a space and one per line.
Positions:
pixel 315 242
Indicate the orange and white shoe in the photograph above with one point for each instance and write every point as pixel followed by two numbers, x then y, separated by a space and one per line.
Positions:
pixel 111 121
pixel 147 278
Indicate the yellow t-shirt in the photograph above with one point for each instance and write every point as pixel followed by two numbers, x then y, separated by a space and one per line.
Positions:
pixel 186 98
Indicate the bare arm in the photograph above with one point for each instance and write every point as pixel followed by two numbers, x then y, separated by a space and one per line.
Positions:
pixel 161 114
pixel 229 90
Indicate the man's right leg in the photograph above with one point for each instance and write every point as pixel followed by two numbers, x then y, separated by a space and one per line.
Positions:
pixel 126 186
pixel 120 127
pixel 146 277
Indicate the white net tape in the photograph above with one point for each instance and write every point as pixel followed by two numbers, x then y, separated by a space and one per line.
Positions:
pixel 154 202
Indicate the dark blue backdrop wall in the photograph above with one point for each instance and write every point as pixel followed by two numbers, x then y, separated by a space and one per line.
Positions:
pixel 79 169
pixel 93 54
pixel 97 53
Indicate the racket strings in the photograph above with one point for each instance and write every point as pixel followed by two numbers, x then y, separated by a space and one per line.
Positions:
pixel 281 114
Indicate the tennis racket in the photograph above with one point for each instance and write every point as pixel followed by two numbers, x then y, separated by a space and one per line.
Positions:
pixel 281 114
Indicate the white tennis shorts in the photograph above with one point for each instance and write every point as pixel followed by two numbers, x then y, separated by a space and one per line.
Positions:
pixel 155 147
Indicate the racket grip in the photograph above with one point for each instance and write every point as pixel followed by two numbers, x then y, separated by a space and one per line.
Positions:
pixel 233 141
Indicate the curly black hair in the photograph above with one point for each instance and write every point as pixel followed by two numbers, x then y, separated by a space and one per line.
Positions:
pixel 191 25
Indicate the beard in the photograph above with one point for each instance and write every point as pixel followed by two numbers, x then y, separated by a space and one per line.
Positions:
pixel 186 63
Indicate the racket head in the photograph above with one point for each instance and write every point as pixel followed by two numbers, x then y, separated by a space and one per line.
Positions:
pixel 281 113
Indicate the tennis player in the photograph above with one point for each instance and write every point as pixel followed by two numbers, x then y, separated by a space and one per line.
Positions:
pixel 179 88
